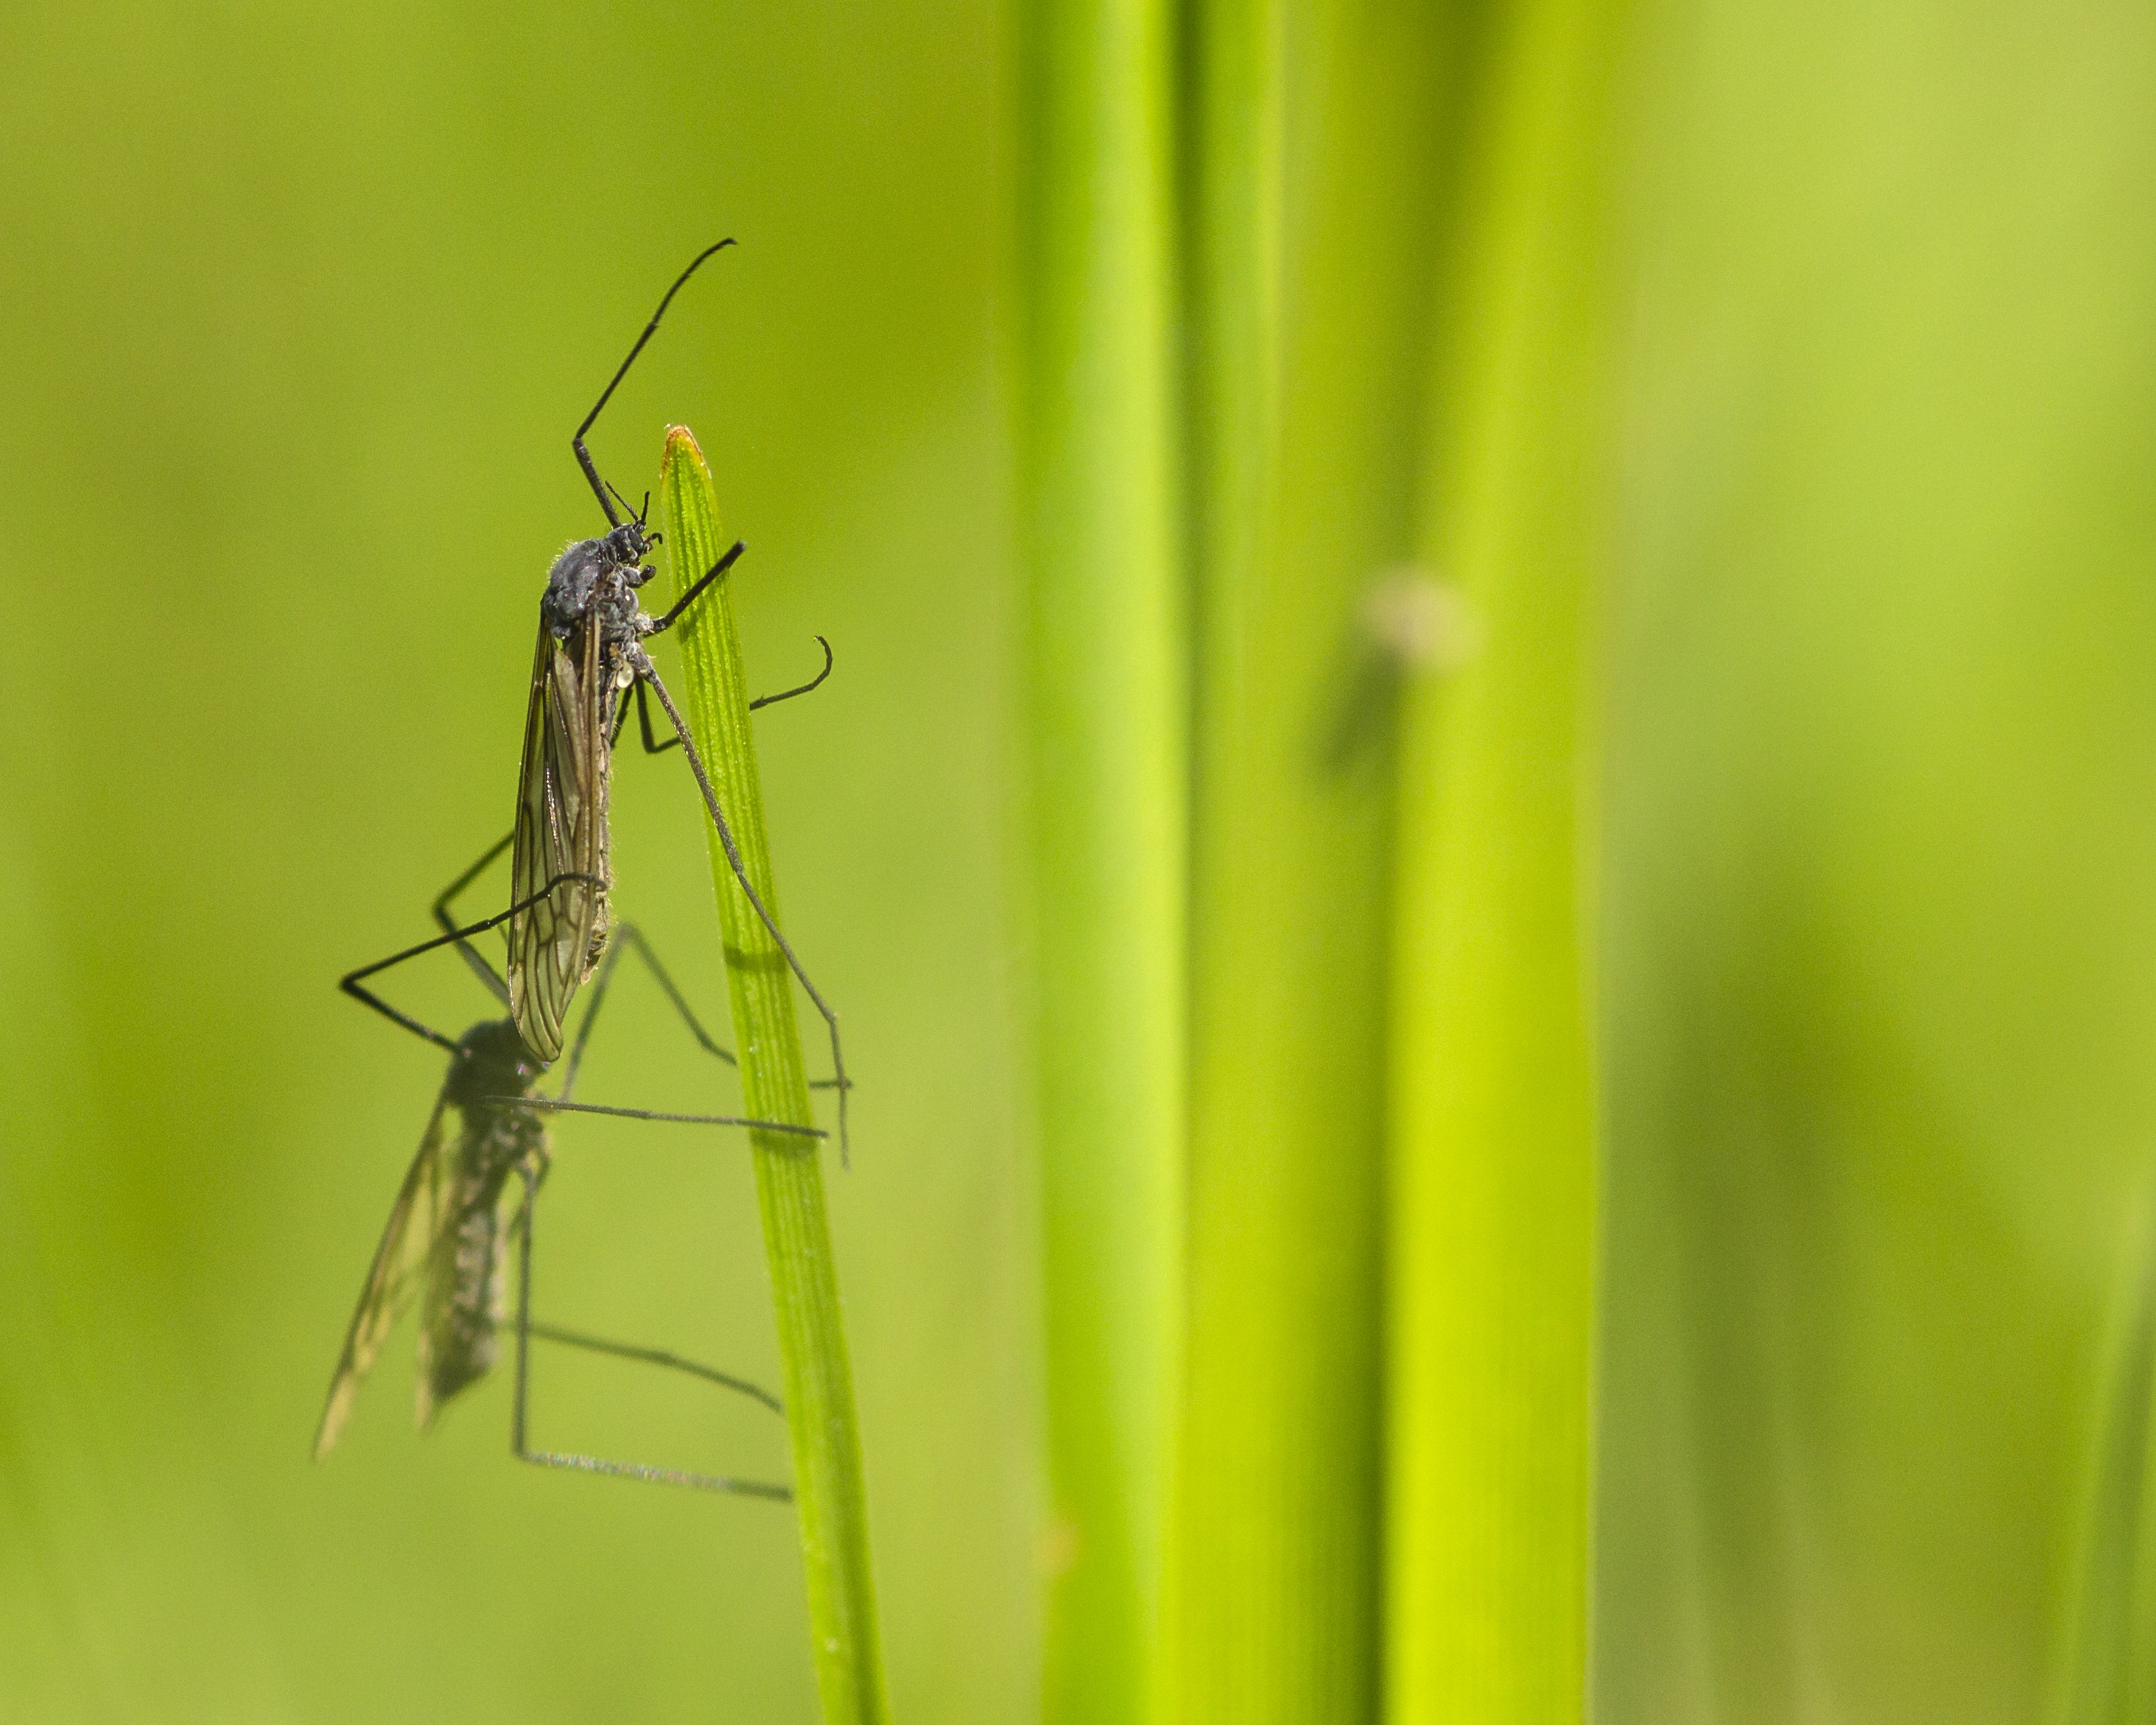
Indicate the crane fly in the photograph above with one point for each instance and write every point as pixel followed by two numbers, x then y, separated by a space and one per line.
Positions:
pixel 447 1240
pixel 589 656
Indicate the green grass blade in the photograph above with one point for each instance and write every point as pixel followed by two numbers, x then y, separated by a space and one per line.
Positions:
pixel 1243 1540
pixel 1494 1206
pixel 1314 134
pixel 2108 1672
pixel 829 1490
pixel 1107 767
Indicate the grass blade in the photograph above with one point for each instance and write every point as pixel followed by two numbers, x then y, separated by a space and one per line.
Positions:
pixel 1494 1119
pixel 828 1486
pixel 1108 765
pixel 1314 133
pixel 2107 1673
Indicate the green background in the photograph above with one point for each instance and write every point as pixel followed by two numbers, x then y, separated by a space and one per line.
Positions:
pixel 299 310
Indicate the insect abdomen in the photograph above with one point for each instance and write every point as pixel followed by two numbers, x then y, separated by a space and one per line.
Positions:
pixel 466 1296
pixel 466 1300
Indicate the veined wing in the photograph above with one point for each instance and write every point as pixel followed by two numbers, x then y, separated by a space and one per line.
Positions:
pixel 407 1242
pixel 561 830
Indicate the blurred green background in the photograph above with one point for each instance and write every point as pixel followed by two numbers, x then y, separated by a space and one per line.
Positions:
pixel 301 308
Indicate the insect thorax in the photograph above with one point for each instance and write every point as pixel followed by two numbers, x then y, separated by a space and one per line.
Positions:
pixel 598 573
pixel 492 1063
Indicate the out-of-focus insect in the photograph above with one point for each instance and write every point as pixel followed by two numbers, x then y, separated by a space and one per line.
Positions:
pixel 449 1232
pixel 590 655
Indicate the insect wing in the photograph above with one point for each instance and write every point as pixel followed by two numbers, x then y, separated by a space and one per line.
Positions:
pixel 560 830
pixel 400 1260
pixel 466 1299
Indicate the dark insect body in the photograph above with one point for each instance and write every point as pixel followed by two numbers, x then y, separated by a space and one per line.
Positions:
pixel 590 653
pixel 448 1237
pixel 588 656
pixel 561 863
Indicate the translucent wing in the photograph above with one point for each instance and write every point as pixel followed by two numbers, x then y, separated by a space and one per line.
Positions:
pixel 561 830
pixel 423 1207
pixel 466 1297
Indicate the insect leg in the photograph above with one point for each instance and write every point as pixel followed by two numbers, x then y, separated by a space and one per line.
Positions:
pixel 519 1425
pixel 628 936
pixel 591 1015
pixel 470 954
pixel 576 443
pixel 658 1357
pixel 809 687
pixel 644 669
pixel 672 614
pixel 352 982
pixel 554 1104
pixel 653 746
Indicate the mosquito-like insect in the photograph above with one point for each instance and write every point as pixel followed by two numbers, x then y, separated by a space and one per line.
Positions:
pixel 590 655
pixel 448 1231
pixel 446 1236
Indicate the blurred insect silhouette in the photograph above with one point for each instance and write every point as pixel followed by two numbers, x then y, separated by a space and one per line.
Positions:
pixel 590 655
pixel 448 1231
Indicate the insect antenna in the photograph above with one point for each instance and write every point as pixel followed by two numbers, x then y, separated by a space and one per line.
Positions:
pixel 600 486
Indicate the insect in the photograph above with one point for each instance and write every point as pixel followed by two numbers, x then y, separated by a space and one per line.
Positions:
pixel 447 1239
pixel 589 656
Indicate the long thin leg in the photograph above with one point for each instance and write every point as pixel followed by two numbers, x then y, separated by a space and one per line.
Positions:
pixel 597 1000
pixel 576 443
pixel 809 687
pixel 447 923
pixel 673 611
pixel 628 938
pixel 658 1357
pixel 641 661
pixel 351 981
pixel 653 746
pixel 633 936
pixel 554 1104
pixel 519 1423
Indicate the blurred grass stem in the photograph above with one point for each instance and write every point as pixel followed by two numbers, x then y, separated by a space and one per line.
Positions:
pixel 1102 511
pixel 1493 1107
pixel 2108 1671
